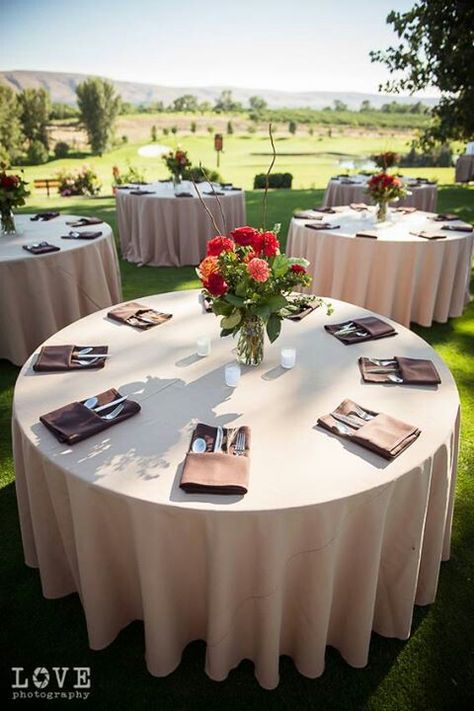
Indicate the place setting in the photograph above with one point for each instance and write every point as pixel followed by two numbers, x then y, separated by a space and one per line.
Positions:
pixel 60 358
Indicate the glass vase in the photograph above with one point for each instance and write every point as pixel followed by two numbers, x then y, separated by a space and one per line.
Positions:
pixel 7 220
pixel 177 180
pixel 381 211
pixel 250 344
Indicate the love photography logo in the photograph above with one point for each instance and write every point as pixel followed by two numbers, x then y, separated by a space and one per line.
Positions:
pixel 65 683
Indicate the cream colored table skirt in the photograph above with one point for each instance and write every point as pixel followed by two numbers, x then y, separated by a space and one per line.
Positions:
pixel 162 230
pixel 465 169
pixel 407 278
pixel 40 294
pixel 423 197
pixel 330 542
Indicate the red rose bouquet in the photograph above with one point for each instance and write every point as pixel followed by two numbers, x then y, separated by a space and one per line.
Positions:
pixel 177 163
pixel 13 193
pixel 384 188
pixel 385 160
pixel 249 283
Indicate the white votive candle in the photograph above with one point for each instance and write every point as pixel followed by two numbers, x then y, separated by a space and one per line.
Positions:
pixel 288 357
pixel 232 375
pixel 203 346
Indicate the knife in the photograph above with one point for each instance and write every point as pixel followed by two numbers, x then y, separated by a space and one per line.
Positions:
pixel 218 439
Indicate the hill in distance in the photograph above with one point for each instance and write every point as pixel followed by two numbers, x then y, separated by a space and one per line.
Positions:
pixel 62 86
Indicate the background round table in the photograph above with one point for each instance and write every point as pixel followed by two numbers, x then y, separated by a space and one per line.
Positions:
pixel 423 196
pixel 163 230
pixel 407 278
pixel 330 542
pixel 465 168
pixel 42 293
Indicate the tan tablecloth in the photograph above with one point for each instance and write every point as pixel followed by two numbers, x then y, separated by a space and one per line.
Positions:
pixel 399 275
pixel 330 542
pixel 423 197
pixel 464 169
pixel 162 230
pixel 39 294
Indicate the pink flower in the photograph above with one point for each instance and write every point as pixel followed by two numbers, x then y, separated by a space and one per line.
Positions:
pixel 258 269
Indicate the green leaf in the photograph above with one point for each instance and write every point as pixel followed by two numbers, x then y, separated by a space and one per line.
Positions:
pixel 280 265
pixel 235 300
pixel 273 327
pixel 226 332
pixel 220 308
pixel 232 320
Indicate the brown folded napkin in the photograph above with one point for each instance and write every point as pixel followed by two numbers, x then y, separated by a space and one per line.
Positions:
pixel 138 315
pixel 220 472
pixel 405 210
pixel 413 371
pixel 358 206
pixel 75 422
pixel 41 248
pixel 374 327
pixel 142 192
pixel 210 192
pixel 444 217
pixel 428 235
pixel 383 434
pixel 322 226
pixel 302 311
pixel 306 216
pixel 372 235
pixel 190 195
pixel 457 228
pixel 82 235
pixel 83 221
pixel 56 358
pixel 326 210
pixel 341 175
pixel 347 181
pixel 44 216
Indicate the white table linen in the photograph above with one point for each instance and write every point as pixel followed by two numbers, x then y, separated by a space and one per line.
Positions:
pixel 423 197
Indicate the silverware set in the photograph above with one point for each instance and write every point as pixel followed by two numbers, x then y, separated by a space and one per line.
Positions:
pixel 388 367
pixel 84 356
pixel 357 412
pixel 239 447
pixel 199 445
pixel 350 329
pixel 91 403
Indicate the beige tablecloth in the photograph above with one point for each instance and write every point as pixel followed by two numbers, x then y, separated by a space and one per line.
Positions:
pixel 39 294
pixel 330 542
pixel 423 197
pixel 162 230
pixel 465 169
pixel 402 276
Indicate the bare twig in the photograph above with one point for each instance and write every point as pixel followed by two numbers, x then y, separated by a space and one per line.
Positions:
pixel 217 198
pixel 211 216
pixel 264 210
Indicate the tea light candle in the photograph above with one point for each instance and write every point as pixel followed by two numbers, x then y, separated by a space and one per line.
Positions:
pixel 203 346
pixel 232 375
pixel 288 357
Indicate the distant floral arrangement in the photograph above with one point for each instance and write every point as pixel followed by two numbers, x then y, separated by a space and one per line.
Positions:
pixel 130 175
pixel 385 160
pixel 83 181
pixel 177 162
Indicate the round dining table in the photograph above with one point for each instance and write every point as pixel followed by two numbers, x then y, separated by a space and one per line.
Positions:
pixel 394 272
pixel 343 191
pixel 330 543
pixel 166 226
pixel 42 293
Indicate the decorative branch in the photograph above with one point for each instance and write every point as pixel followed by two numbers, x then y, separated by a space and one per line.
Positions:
pixel 211 216
pixel 217 198
pixel 264 210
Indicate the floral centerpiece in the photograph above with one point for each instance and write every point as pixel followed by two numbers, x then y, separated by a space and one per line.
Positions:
pixel 385 160
pixel 384 188
pixel 177 163
pixel 131 175
pixel 13 193
pixel 83 181
pixel 249 283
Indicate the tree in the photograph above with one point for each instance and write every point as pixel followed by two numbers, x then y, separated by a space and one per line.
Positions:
pixel 99 105
pixel 292 127
pixel 226 103
pixel 35 110
pixel 257 104
pixel 193 126
pixel 153 134
pixel 11 138
pixel 188 102
pixel 230 128
pixel 340 105
pixel 366 105
pixel 435 49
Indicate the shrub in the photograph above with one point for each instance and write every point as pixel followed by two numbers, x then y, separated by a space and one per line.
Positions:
pixel 210 129
pixel 193 126
pixel 61 149
pixel 275 180
pixel 197 173
pixel 37 153
pixel 124 139
pixel 230 128
pixel 83 181
pixel 166 131
pixel 174 130
pixel 440 156
pixel 153 134
pixel 292 127
pixel 131 175
pixel 251 128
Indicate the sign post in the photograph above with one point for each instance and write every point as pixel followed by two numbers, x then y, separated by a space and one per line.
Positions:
pixel 218 145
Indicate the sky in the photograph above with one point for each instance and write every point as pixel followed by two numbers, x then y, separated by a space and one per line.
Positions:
pixel 292 45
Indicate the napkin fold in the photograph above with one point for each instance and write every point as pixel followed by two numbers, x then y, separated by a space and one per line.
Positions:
pixel 413 371
pixel 306 216
pixel 138 315
pixel 428 235
pixel 84 221
pixel 347 181
pixel 372 235
pixel 444 217
pixel 458 228
pixel 41 248
pixel 383 434
pixel 44 216
pixel 58 358
pixel 304 310
pixel 220 472
pixel 374 328
pixel 322 226
pixel 326 210
pixel 405 210
pixel 188 195
pixel 215 192
pixel 75 422
pixel 84 235
pixel 359 206
pixel 142 192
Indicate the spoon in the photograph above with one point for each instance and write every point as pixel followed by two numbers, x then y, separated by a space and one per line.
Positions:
pixel 91 402
pixel 83 351
pixel 112 415
pixel 199 445
pixel 395 379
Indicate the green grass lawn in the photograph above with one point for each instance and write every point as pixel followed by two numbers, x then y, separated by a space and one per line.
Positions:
pixel 433 670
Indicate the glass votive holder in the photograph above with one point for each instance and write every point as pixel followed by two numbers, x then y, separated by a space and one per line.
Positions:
pixel 203 346
pixel 288 357
pixel 232 375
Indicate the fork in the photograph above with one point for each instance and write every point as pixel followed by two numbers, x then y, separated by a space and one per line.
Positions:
pixel 239 448
pixel 363 414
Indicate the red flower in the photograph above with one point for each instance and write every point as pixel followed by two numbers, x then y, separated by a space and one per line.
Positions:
pixel 216 285
pixel 9 181
pixel 219 244
pixel 298 269
pixel 245 236
pixel 269 244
